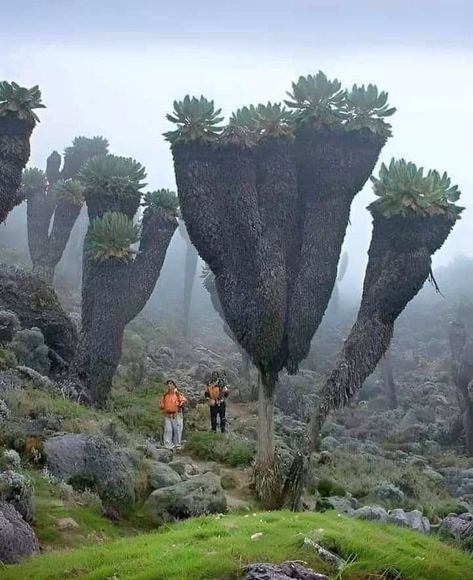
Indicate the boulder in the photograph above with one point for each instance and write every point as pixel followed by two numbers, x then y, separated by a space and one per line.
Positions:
pixel 184 467
pixel 17 539
pixel 17 490
pixel 368 512
pixel 161 454
pixel 37 305
pixel 284 571
pixel 162 475
pixel 456 526
pixel 201 494
pixel 90 461
pixel 414 520
pixel 343 504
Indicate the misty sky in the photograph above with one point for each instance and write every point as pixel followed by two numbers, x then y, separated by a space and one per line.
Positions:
pixel 114 70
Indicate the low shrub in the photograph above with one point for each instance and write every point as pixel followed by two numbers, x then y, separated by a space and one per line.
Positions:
pixel 226 449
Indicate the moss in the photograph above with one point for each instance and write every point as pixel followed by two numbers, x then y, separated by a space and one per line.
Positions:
pixel 219 547
pixel 7 359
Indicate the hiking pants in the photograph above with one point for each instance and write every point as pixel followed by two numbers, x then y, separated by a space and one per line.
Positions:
pixel 218 411
pixel 173 426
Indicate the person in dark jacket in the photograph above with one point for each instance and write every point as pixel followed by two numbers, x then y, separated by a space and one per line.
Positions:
pixel 216 394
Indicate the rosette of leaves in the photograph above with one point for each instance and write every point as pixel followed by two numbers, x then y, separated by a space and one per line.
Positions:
pixel 404 189
pixel 163 199
pixel 196 120
pixel 273 120
pixel 113 175
pixel 33 180
pixel 317 101
pixel 20 102
pixel 111 236
pixel 367 109
pixel 89 145
pixel 69 191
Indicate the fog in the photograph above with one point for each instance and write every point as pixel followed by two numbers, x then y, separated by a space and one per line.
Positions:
pixel 120 83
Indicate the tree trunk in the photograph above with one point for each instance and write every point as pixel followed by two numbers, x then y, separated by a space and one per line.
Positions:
pixel 265 448
pixel 388 379
pixel 189 277
pixel 468 426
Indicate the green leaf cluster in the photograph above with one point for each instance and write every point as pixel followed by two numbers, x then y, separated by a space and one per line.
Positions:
pixel 70 191
pixel 196 120
pixel 404 189
pixel 33 181
pixel 318 101
pixel 161 198
pixel 88 146
pixel 20 101
pixel 367 108
pixel 113 175
pixel 110 237
pixel 263 121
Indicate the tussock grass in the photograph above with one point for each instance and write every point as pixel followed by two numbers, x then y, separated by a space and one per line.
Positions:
pixel 226 449
pixel 219 548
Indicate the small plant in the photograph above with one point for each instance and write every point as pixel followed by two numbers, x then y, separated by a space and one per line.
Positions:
pixel 32 181
pixel 222 448
pixel 404 189
pixel 163 199
pixel 273 120
pixel 89 145
pixel 69 190
pixel 19 101
pixel 317 101
pixel 111 236
pixel 367 109
pixel 113 175
pixel 196 120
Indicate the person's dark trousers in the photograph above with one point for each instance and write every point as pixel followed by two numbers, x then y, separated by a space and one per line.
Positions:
pixel 218 411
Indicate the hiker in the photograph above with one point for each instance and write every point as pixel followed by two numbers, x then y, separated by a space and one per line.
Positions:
pixel 171 404
pixel 216 393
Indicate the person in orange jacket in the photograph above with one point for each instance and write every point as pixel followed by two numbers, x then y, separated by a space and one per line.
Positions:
pixel 172 404
pixel 216 394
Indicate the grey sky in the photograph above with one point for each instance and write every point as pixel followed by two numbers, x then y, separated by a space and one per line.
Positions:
pixel 114 68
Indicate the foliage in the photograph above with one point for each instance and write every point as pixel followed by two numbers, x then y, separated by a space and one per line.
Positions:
pixel 89 146
pixel 226 449
pixel 110 237
pixel 182 551
pixel 273 120
pixel 245 118
pixel 196 120
pixel 7 359
pixel 317 100
pixel 139 410
pixel 367 109
pixel 20 101
pixel 161 198
pixel 113 175
pixel 70 191
pixel 33 181
pixel 403 189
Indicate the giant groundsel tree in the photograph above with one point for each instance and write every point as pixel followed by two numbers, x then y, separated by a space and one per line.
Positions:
pixel 266 201
pixel 54 202
pixel 412 216
pixel 117 280
pixel 17 121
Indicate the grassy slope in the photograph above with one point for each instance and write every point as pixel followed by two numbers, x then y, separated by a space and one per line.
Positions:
pixel 219 548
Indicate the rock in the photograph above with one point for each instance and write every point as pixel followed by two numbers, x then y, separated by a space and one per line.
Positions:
pixel 36 304
pixel 17 490
pixel 184 467
pixel 326 555
pixel 38 380
pixel 31 351
pixel 459 527
pixel 256 536
pixel 94 462
pixel 284 571
pixel 343 504
pixel 371 513
pixel 160 454
pixel 200 371
pixel 201 494
pixel 414 520
pixel 17 539
pixel 162 475
pixel 66 524
pixel 325 457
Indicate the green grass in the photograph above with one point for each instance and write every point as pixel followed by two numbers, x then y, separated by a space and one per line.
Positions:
pixel 226 449
pixel 220 547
